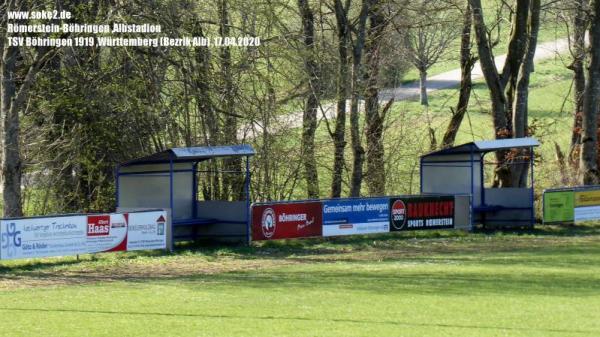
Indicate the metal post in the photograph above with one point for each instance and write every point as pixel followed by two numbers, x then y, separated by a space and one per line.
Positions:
pixel 532 195
pixel 171 198
pixel 472 191
pixel 482 178
pixel 247 190
pixel 194 190
pixel 420 175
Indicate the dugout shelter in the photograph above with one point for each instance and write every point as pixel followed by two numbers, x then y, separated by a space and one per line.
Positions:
pixel 461 170
pixel 170 180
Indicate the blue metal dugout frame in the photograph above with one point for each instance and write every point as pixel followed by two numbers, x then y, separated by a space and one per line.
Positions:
pixel 459 161
pixel 163 164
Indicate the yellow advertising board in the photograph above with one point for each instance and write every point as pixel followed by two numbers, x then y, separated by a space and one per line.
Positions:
pixel 587 198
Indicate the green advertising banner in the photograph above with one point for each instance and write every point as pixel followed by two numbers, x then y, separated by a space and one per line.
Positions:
pixel 559 206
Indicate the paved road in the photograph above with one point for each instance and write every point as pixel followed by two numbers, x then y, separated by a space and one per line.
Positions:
pixel 451 78
pixel 411 90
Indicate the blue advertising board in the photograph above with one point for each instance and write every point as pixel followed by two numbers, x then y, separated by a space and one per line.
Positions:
pixel 356 216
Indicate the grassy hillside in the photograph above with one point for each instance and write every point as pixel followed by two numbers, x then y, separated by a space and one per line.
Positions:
pixel 550 115
pixel 551 29
pixel 540 283
pixel 407 136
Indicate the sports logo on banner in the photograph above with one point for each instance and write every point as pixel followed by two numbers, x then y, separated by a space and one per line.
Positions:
pixel 268 223
pixel 429 212
pixel 284 221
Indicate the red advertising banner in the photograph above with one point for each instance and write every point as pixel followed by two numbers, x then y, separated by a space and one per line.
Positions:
pixel 107 232
pixel 285 221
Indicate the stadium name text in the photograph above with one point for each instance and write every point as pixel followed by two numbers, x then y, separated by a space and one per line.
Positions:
pixel 83 28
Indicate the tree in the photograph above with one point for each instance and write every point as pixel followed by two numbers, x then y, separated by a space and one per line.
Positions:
pixel 374 118
pixel 521 95
pixel 502 85
pixel 342 90
pixel 577 22
pixel 589 137
pixel 14 92
pixel 467 61
pixel 427 40
pixel 312 102
pixel 358 151
pixel 232 184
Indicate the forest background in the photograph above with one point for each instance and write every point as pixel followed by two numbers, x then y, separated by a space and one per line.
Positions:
pixel 316 98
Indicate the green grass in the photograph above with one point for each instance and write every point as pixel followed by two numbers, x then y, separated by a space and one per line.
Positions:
pixel 539 283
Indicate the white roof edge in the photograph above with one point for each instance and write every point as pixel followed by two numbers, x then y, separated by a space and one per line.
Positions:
pixel 506 143
pixel 213 151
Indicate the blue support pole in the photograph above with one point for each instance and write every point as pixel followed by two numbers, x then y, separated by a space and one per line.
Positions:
pixel 532 194
pixel 421 175
pixel 195 190
pixel 482 178
pixel 247 191
pixel 472 192
pixel 171 199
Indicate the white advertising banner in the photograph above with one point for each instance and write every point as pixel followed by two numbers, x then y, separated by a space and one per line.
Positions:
pixel 79 234
pixel 147 230
pixel 587 213
pixel 356 216
pixel 40 237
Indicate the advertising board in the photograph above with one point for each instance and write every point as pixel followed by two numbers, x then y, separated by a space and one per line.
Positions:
pixel 147 230
pixel 41 237
pixel 356 216
pixel 286 220
pixel 558 206
pixel 79 234
pixel 428 212
pixel 106 233
pixel 587 206
pixel 587 198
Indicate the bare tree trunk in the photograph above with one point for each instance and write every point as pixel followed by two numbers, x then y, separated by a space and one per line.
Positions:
pixel 11 155
pixel 208 116
pixel 519 171
pixel 312 103
pixel 516 50
pixel 490 72
pixel 580 22
pixel 339 141
pixel 589 140
pixel 374 119
pixel 466 65
pixel 423 86
pixel 496 89
pixel 3 19
pixel 232 184
pixel 358 151
pixel 13 95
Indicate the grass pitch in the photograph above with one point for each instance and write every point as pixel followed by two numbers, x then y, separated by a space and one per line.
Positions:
pixel 539 283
